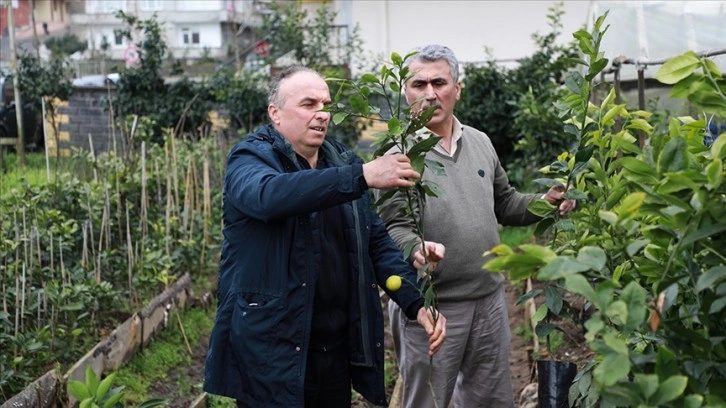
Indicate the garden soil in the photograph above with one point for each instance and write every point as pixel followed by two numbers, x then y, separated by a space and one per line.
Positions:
pixel 521 364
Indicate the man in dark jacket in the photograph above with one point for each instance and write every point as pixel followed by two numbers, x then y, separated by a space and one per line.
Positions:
pixel 299 316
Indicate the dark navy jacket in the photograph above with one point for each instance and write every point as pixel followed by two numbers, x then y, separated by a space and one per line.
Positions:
pixel 269 265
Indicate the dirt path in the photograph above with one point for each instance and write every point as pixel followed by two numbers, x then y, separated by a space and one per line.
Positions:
pixel 519 361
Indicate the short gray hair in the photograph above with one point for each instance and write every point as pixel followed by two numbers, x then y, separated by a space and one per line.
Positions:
pixel 436 52
pixel 273 96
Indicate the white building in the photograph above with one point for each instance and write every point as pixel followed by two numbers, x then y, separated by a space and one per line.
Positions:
pixel 192 28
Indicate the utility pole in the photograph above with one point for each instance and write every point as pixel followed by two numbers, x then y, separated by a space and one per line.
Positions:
pixel 20 145
pixel 36 41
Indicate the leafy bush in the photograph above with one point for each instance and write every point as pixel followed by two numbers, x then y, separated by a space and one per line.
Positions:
pixel 515 107
pixel 78 254
pixel 646 248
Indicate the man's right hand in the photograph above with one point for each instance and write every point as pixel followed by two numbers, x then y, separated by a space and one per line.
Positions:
pixel 436 332
pixel 434 252
pixel 390 171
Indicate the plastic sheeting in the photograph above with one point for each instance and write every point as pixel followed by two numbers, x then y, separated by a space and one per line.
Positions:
pixel 647 31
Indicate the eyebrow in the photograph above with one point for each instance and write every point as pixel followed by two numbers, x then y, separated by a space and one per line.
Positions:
pixel 309 99
pixel 437 80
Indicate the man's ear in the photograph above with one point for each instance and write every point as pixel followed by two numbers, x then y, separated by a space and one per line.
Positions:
pixel 273 113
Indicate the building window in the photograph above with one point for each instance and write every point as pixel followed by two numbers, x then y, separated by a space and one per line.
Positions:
pixel 190 36
pixel 150 5
pixel 118 39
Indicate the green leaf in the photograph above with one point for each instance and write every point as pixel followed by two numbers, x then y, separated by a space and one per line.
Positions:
pixel 544 254
pixel 91 380
pixel 86 403
pixel 155 402
pixel 717 148
pixel 396 58
pixel 541 208
pixel 584 154
pixel 714 173
pixel 593 257
pixel 617 312
pixel 640 124
pixel 105 386
pixel 540 314
pixel 640 168
pixel 678 68
pixel 693 401
pixel 630 205
pixel 710 278
pixel 418 163
pixel 394 126
pixel 560 267
pixel 578 284
pixel 112 400
pixel 78 390
pixel 635 246
pixel 359 104
pixel 423 146
pixel 670 389
pixel 682 89
pixel 607 118
pixel 674 156
pixel 436 167
pixel 634 297
pixel 717 305
pixel 548 182
pixel 612 368
pixel 543 226
pixel 339 117
pixel 368 78
pixel 702 233
pixel 529 295
pixel 648 384
pixel 553 299
pixel 573 81
pixel 543 329
pixel 666 364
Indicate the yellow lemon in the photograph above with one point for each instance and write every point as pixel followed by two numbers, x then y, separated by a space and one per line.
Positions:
pixel 393 283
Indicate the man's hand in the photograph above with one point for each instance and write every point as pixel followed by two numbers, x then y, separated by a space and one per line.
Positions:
pixel 389 171
pixel 555 195
pixel 435 253
pixel 437 334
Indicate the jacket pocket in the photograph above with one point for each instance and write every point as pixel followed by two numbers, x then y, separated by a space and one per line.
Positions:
pixel 253 335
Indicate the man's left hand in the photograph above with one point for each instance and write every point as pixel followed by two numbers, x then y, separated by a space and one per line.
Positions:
pixel 555 196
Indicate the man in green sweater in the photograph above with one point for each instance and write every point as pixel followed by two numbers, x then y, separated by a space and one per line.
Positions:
pixel 473 365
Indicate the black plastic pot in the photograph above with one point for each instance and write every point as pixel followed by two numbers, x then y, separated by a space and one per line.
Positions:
pixel 554 380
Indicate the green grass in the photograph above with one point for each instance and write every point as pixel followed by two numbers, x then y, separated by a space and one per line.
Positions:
pixel 166 353
pixel 514 236
pixel 34 173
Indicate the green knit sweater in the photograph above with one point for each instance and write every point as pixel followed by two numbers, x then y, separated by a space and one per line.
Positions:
pixel 476 198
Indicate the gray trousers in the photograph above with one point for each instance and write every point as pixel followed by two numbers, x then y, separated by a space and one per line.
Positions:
pixel 473 363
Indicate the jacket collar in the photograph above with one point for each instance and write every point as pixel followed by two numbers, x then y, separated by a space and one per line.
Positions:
pixel 335 152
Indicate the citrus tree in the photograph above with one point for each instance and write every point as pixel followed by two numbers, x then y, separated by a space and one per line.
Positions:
pixel 646 248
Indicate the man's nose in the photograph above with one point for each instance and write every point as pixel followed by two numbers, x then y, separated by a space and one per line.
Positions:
pixel 429 92
pixel 322 115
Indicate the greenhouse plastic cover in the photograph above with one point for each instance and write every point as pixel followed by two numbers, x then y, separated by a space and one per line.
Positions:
pixel 650 31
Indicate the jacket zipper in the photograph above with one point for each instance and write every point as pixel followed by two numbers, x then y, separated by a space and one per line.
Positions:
pixel 361 287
